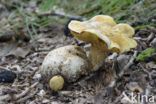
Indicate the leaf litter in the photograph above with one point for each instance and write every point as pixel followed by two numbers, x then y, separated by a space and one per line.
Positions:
pixel 103 86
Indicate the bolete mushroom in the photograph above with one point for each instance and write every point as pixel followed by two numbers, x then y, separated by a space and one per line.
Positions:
pixel 104 35
pixel 66 63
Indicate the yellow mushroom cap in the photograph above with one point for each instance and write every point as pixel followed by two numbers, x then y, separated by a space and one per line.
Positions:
pixel 104 19
pixel 124 29
pixel 56 83
pixel 117 37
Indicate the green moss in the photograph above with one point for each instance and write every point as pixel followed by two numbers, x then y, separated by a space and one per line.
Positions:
pixel 145 54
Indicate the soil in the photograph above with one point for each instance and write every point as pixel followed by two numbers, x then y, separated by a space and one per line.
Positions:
pixel 115 81
pixel 92 89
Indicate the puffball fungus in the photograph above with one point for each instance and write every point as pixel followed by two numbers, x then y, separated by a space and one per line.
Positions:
pixel 65 63
pixel 104 35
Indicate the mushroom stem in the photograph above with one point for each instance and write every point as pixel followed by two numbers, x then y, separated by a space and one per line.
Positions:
pixel 97 55
pixel 56 83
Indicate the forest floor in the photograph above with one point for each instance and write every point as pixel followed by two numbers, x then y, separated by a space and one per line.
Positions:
pixel 140 76
pixel 25 58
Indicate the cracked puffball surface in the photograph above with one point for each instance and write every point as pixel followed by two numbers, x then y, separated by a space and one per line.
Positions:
pixel 69 62
pixel 105 36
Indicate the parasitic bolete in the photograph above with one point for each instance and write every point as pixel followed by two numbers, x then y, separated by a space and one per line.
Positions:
pixel 104 35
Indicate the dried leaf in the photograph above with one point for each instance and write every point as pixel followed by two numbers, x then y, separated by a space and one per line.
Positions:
pixel 20 52
pixel 5 48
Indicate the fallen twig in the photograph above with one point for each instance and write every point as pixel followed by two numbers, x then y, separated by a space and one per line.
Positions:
pixel 90 10
pixel 27 90
pixel 18 96
pixel 145 70
pixel 128 64
pixel 26 97
pixel 61 14
pixel 5 97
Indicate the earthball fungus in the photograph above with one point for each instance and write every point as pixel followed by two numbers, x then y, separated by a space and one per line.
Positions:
pixel 66 63
pixel 105 36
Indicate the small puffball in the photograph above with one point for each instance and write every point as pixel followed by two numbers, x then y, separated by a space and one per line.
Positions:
pixel 56 83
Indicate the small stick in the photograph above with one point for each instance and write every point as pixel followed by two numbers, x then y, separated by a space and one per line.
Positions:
pixel 26 97
pixel 18 96
pixel 128 64
pixel 147 72
pixel 150 37
pixel 27 90
pixel 90 10
pixel 5 97
pixel 61 14
pixel 1 67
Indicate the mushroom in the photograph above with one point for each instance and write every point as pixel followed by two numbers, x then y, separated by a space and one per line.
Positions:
pixel 105 36
pixel 70 62
pixel 66 63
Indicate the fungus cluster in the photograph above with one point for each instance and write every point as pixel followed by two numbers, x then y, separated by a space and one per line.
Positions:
pixel 70 62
